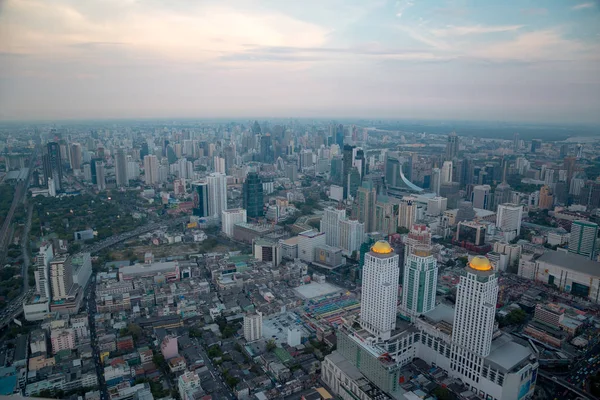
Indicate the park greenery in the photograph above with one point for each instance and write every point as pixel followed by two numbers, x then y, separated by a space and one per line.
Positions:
pixel 6 197
pixel 515 317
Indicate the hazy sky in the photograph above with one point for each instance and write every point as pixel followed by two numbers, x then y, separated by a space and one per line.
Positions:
pixel 498 60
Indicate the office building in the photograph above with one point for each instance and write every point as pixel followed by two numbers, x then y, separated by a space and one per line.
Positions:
pixel 501 195
pixel 480 197
pixel 231 217
pixel 436 205
pixel 100 176
pixel 151 170
pixel 584 235
pixel 200 199
pixel 536 145
pixel 546 201
pixel 330 225
pixel 452 146
pixel 348 153
pixel 407 212
pixel 508 219
pixel 328 257
pixel 418 236
pixel 76 156
pixel 253 196
pixel 386 214
pixel 41 274
pixel 307 242
pixel 121 168
pixel 267 250
pixel 53 164
pixel 253 324
pixel 61 278
pixel 351 235
pixel 365 199
pixel 471 232
pixel 378 306
pixel 217 194
pixel 420 281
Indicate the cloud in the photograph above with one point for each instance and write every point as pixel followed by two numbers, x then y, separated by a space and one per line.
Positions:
pixel 451 30
pixel 534 11
pixel 583 6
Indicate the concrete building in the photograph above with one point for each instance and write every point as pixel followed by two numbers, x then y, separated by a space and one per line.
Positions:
pixel 267 250
pixel 436 206
pixel 231 217
pixel 365 199
pixel 217 194
pixel 407 212
pixel 386 214
pixel 446 173
pixel 481 197
pixel 471 232
pixel 378 306
pixel 330 225
pixel 328 257
pixel 62 339
pixel 508 220
pixel 169 271
pixel 188 385
pixel 253 325
pixel 420 281
pixel 289 248
pixel 61 278
pixel 436 181
pixel 584 235
pixel 151 170
pixel 307 242
pixel 352 235
pixel 121 168
pixel 546 198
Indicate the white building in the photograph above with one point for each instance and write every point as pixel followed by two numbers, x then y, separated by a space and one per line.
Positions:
pixel 61 278
pixel 436 181
pixel 437 205
pixel 231 217
pixel 508 219
pixel 100 176
pixel 253 325
pixel 481 197
pixel 446 173
pixel 352 235
pixel 407 214
pixel 188 384
pixel 583 238
pixel 330 225
pixel 151 169
pixel 294 337
pixel 420 281
pixel 378 305
pixel 217 194
pixel 307 242
pixel 219 164
pixel 336 193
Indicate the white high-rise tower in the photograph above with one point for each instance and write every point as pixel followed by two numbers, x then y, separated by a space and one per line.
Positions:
pixel 378 305
pixel 217 194
pixel 330 225
pixel 420 281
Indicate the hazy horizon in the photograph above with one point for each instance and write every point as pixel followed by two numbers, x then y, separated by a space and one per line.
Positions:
pixel 513 62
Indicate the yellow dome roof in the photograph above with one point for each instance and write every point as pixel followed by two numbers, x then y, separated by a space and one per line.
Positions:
pixel 480 263
pixel 382 247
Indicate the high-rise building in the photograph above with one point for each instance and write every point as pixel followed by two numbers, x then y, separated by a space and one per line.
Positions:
pixel 100 176
pixel 253 195
pixel 393 167
pixel 231 217
pixel 546 201
pixel 53 164
pixel 266 149
pixel 346 167
pixel 407 213
pixel 436 181
pixel 436 205
pixel 378 305
pixel 219 164
pixel 446 173
pixel 200 199
pixel 536 144
pixel 508 219
pixel 475 311
pixel 420 281
pixel 386 214
pixel 339 136
pixel 584 235
pixel 121 168
pixel 217 194
pixel 501 194
pixel 337 170
pixel 516 142
pixel 471 232
pixel 365 199
pixel 452 146
pixel 480 197
pixel 353 182
pixel 61 278
pixel 330 225
pixel 151 169
pixel 418 236
pixel 253 327
pixel 76 156
pixel 42 278
pixel 351 235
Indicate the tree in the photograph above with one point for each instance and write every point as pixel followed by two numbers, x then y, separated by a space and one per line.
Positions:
pixel 442 393
pixel 271 345
pixel 515 317
pixel 402 230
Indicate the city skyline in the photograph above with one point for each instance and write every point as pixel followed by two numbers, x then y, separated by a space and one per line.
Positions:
pixel 385 59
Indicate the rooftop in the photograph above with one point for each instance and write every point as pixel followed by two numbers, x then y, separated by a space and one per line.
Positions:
pixel 145 268
pixel 311 233
pixel 507 354
pixel 572 262
pixel 314 290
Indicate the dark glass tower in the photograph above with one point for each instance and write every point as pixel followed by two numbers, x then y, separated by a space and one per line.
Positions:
pixel 53 164
pixel 253 196
pixel 200 199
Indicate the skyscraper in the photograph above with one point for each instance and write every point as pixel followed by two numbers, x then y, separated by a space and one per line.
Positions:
pixel 53 164
pixel 508 219
pixel 339 136
pixel 200 199
pixel 351 235
pixel 452 146
pixel 378 306
pixel 420 281
pixel 474 315
pixel 330 225
pixel 76 156
pixel 436 181
pixel 501 194
pixel 446 173
pixel 266 149
pixel 121 168
pixel 407 214
pixel 365 199
pixel 217 194
pixel 583 238
pixel 253 195
pixel 346 167
pixel 61 278
pixel 151 169
pixel 480 197
pixel 100 176
pixel 253 327
pixel 392 169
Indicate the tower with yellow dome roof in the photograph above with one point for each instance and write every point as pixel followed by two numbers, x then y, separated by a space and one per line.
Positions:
pixel 378 305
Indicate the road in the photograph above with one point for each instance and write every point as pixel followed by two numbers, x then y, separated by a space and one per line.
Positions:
pixel 25 249
pixel 566 385
pixel 111 241
pixel 90 305
pixel 223 389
